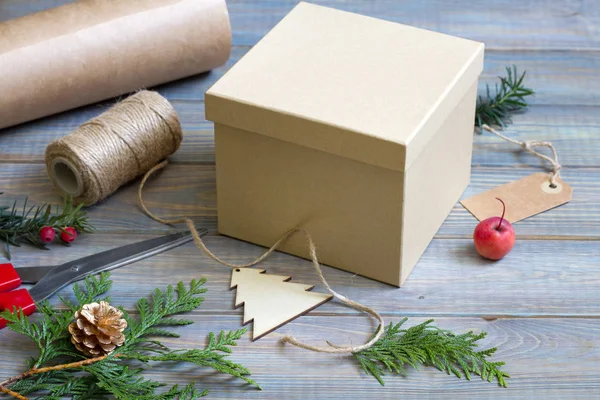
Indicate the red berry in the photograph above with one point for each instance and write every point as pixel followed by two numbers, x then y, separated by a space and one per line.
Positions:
pixel 68 235
pixel 494 237
pixel 47 234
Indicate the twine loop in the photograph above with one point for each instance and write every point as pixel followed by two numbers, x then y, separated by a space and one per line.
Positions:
pixel 530 146
pixel 312 248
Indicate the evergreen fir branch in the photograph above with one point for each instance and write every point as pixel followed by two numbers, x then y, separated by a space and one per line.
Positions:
pixel 69 374
pixel 18 224
pixel 428 345
pixel 508 98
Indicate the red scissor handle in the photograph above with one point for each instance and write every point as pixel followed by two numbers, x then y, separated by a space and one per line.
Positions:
pixel 9 279
pixel 17 298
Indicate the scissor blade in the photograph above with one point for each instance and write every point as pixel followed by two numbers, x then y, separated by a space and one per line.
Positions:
pixel 105 261
pixel 34 274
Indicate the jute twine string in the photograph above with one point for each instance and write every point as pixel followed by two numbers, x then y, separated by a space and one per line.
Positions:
pixel 131 139
pixel 312 248
pixel 112 149
pixel 529 145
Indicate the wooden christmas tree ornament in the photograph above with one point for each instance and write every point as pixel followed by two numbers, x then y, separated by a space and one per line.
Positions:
pixel 271 300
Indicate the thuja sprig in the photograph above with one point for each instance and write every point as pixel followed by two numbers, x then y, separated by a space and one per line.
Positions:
pixel 428 345
pixel 509 97
pixel 60 371
pixel 23 223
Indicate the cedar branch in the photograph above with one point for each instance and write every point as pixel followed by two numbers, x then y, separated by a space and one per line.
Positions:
pixel 36 371
pixel 106 375
pixel 11 393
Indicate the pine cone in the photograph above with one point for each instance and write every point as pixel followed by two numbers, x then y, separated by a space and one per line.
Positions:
pixel 98 329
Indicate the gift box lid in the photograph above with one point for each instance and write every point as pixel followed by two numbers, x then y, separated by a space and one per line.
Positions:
pixel 367 89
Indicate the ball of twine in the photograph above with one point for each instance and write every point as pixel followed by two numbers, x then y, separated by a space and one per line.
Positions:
pixel 114 148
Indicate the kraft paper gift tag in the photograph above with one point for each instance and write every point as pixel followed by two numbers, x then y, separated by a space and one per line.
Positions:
pixel 523 198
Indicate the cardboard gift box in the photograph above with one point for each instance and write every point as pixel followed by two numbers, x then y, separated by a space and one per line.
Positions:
pixel 358 130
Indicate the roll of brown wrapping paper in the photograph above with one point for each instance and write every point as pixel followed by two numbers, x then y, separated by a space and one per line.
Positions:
pixel 92 50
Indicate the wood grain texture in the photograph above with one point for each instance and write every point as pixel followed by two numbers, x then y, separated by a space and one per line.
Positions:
pixel 538 278
pixel 574 130
pixel 566 110
pixel 540 304
pixel 189 190
pixel 547 358
pixel 559 77
pixel 502 24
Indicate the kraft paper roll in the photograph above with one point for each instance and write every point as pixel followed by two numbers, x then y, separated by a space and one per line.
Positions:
pixel 92 50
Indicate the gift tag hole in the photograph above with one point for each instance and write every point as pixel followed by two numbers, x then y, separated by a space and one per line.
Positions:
pixel 238 270
pixel 551 188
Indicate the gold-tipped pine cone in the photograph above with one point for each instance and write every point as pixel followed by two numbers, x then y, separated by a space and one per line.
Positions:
pixel 98 329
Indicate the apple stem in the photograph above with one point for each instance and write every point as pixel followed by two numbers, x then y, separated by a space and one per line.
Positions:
pixel 503 211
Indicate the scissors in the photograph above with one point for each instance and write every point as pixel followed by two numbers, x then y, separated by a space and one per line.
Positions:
pixel 49 279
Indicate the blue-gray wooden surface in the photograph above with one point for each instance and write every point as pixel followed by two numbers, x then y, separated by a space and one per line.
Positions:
pixel 540 305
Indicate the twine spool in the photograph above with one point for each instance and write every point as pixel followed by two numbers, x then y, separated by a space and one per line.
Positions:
pixel 114 148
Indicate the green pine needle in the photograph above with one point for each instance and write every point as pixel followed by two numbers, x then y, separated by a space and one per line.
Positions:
pixel 428 345
pixel 509 97
pixel 120 376
pixel 18 224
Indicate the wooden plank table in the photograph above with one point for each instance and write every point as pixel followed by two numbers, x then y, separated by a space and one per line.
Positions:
pixel 540 305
